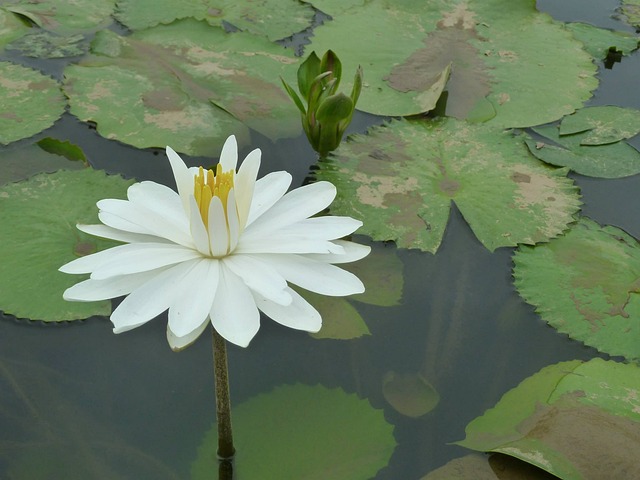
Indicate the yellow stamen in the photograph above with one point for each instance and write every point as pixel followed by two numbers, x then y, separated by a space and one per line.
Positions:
pixel 209 185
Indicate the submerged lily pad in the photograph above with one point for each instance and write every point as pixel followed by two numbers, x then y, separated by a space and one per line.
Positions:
pixel 44 44
pixel 304 432
pixel 38 234
pixel 400 179
pixel 613 160
pixel 499 55
pixel 187 84
pixel 575 420
pixel 409 394
pixel 586 284
pixel 275 19
pixel 47 155
pixel 31 102
pixel 64 16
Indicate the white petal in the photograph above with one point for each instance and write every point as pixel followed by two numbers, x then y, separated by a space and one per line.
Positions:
pixel 326 228
pixel 233 222
pixel 198 230
pixel 111 233
pixel 267 191
pixel 161 200
pixel 150 299
pixel 195 298
pixel 352 252
pixel 142 257
pixel 234 313
pixel 295 206
pixel 259 277
pixel 286 244
pixel 89 263
pixel 182 176
pixel 244 185
pixel 229 155
pixel 180 343
pixel 315 276
pixel 96 290
pixel 148 221
pixel 299 314
pixel 120 223
pixel 218 232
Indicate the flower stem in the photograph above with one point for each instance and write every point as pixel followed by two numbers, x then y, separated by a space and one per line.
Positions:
pixel 223 404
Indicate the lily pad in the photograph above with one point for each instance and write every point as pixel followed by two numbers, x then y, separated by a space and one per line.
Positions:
pixel 62 16
pixel 304 432
pixel 597 41
pixel 401 178
pixel 31 102
pixel 11 27
pixel 39 234
pixel 45 44
pixel 575 420
pixel 275 19
pixel 496 467
pixel 340 319
pixel 608 124
pixel 498 55
pixel 614 160
pixel 47 155
pixel 187 84
pixel 631 10
pixel 586 284
pixel 409 394
pixel 335 7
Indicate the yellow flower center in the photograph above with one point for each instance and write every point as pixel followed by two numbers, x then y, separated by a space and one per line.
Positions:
pixel 207 185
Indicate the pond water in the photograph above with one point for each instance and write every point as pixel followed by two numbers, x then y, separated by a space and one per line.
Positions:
pixel 78 398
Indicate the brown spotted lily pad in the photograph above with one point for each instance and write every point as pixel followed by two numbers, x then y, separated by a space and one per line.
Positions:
pixel 401 178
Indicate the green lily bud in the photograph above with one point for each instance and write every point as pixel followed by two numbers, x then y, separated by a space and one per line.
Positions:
pixel 327 114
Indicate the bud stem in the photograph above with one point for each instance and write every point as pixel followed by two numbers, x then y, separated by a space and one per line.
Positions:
pixel 226 449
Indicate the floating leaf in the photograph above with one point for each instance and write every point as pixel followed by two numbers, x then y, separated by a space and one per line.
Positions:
pixel 64 16
pixel 575 420
pixel 187 84
pixel 11 27
pixel 335 7
pixel 340 320
pixel 500 55
pixel 39 234
pixel 597 41
pixel 631 9
pixel 496 467
pixel 400 180
pixel 63 148
pixel 409 394
pixel 275 19
pixel 31 102
pixel 607 161
pixel 305 432
pixel 44 44
pixel 586 284
pixel 606 124
pixel 24 161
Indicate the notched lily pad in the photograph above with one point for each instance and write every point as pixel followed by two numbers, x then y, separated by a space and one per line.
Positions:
pixel 31 102
pixel 187 84
pixel 38 234
pixel 586 284
pixel 573 419
pixel 613 160
pixel 305 432
pixel 401 179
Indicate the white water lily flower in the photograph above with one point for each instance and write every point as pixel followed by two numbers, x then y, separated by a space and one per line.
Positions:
pixel 223 248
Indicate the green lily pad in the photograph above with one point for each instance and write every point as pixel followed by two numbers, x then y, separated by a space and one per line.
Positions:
pixel 39 234
pixel 335 7
pixel 409 394
pixel 275 19
pixel 188 84
pixel 47 155
pixel 401 178
pixel 498 55
pixel 309 432
pixel 45 44
pixel 62 16
pixel 614 160
pixel 597 41
pixel 11 27
pixel 586 284
pixel 382 273
pixel 31 102
pixel 496 467
pixel 575 420
pixel 631 10
pixel 608 124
